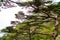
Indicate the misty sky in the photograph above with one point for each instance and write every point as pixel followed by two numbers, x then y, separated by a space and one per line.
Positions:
pixel 56 0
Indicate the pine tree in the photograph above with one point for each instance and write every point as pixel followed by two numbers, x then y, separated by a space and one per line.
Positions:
pixel 43 24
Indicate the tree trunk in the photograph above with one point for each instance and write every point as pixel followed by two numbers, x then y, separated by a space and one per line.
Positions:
pixel 55 32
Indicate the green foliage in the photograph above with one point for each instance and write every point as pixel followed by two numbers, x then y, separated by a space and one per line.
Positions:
pixel 40 37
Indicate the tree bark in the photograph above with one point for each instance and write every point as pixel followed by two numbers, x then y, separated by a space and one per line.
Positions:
pixel 55 32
